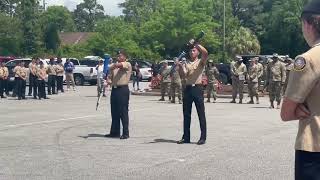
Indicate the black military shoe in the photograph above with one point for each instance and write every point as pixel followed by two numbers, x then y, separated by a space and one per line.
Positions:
pixel 250 102
pixel 183 141
pixel 162 99
pixel 201 142
pixel 124 137
pixel 173 102
pixel 233 101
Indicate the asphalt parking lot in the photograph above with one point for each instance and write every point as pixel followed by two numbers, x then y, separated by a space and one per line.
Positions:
pixel 62 138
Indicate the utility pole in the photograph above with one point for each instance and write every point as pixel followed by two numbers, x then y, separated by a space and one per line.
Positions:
pixel 224 30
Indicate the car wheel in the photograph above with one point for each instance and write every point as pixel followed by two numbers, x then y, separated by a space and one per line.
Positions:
pixel 78 80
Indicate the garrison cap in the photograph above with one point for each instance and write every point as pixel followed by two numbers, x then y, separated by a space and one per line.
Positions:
pixel 210 61
pixel 239 58
pixel 313 7
pixel 275 55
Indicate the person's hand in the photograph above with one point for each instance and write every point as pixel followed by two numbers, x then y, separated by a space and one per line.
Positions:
pixel 302 112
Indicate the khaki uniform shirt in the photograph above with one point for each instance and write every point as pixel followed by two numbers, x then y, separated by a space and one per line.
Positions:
pixel 41 73
pixel 51 70
pixel 260 70
pixel 194 72
pixel 165 73
pixel 121 77
pixel 253 73
pixel 33 68
pixel 6 72
pixel 304 87
pixel 22 72
pixel 176 76
pixel 1 73
pixel 212 74
pixel 59 70
pixel 276 72
pixel 15 70
pixel 238 71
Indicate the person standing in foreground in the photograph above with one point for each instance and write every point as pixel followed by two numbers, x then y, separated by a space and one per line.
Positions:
pixel 41 74
pixel 253 81
pixel 301 100
pixel 120 75
pixel 22 77
pixel 193 92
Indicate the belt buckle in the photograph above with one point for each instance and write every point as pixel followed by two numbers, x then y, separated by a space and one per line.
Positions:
pixel 115 87
pixel 193 85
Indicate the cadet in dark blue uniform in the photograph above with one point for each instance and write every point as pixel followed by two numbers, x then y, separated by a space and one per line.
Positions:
pixel 120 75
pixel 193 92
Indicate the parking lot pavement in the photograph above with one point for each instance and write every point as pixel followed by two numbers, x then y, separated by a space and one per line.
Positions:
pixel 62 138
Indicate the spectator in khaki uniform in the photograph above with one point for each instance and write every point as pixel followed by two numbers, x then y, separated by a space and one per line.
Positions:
pixel 289 67
pixel 276 76
pixel 16 77
pixel 252 79
pixel 301 100
pixel 52 74
pixel 120 74
pixel 193 91
pixel 165 81
pixel 32 77
pixel 260 71
pixel 175 84
pixel 212 74
pixel 42 73
pixel 22 77
pixel 4 73
pixel 238 71
pixel 60 73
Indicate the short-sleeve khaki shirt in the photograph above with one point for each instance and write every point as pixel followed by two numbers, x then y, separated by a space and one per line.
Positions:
pixel 304 87
pixel 194 72
pixel 121 77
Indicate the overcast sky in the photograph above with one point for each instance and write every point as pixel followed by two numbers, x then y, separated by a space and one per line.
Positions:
pixel 110 6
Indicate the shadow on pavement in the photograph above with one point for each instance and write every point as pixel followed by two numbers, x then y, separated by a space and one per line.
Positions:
pixel 163 141
pixel 92 136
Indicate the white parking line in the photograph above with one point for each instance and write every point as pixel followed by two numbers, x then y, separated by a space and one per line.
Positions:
pixel 59 120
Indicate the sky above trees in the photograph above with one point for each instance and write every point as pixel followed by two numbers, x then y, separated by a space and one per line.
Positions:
pixel 110 6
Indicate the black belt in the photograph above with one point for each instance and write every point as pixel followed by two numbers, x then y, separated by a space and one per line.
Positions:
pixel 194 85
pixel 119 86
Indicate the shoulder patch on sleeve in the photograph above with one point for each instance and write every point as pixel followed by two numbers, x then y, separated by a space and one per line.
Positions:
pixel 299 64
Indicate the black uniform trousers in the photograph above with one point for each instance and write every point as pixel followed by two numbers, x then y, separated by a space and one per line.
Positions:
pixel 15 87
pixel 52 84
pixel 33 85
pixel 307 165
pixel 21 88
pixel 119 110
pixel 3 86
pixel 41 88
pixel 193 94
pixel 59 80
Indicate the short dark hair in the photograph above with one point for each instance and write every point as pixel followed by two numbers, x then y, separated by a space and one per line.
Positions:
pixel 312 19
pixel 123 52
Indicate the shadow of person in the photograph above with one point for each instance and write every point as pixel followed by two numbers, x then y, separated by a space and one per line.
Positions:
pixel 163 141
pixel 93 136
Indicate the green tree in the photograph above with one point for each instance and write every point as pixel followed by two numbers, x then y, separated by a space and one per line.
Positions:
pixel 87 14
pixel 10 41
pixel 51 37
pixel 30 27
pixel 60 16
pixel 243 41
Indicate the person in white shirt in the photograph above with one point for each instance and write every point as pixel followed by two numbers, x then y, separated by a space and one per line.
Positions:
pixel 100 79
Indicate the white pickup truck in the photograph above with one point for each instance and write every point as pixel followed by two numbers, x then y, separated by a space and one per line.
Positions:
pixel 85 71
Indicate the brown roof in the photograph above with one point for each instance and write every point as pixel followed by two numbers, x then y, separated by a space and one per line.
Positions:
pixel 72 38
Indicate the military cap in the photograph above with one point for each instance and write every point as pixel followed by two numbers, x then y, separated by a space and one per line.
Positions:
pixel 275 55
pixel 210 61
pixel 313 7
pixel 41 63
pixel 239 58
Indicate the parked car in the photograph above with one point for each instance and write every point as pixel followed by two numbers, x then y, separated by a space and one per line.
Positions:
pixel 11 64
pixel 145 68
